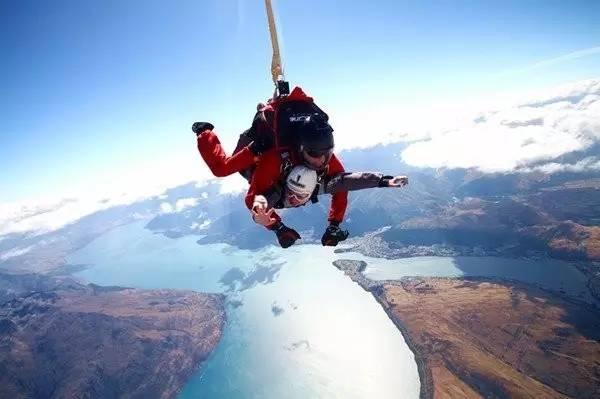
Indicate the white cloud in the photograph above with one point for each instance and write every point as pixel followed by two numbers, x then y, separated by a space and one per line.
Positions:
pixel 51 211
pixel 44 215
pixel 14 252
pixel 385 124
pixel 201 226
pixel 185 203
pixel 510 135
pixel 545 127
pixel 125 186
pixel 233 184
pixel 165 207
pixel 586 164
pixel 180 205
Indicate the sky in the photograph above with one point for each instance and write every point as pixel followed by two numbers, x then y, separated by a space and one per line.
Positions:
pixel 101 95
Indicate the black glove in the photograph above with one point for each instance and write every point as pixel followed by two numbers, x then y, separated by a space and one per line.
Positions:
pixel 199 127
pixel 333 235
pixel 285 235
pixel 385 181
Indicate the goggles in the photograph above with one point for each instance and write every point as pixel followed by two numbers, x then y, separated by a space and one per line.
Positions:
pixel 318 153
pixel 296 199
pixel 314 159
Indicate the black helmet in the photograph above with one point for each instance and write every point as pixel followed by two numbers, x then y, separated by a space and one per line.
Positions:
pixel 314 134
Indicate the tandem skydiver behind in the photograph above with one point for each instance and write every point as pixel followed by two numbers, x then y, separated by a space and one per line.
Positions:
pixel 293 140
pixel 287 157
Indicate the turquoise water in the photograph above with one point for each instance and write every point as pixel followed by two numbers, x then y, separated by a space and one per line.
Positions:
pixel 549 273
pixel 297 327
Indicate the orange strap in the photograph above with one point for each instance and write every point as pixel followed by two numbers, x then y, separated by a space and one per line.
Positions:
pixel 276 65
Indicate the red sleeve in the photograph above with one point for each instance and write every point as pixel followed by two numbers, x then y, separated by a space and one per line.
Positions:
pixel 339 200
pixel 217 160
pixel 265 176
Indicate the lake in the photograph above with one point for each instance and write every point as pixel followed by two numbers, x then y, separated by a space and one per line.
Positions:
pixel 297 326
pixel 552 274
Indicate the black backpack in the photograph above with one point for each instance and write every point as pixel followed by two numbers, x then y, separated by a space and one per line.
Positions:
pixel 273 124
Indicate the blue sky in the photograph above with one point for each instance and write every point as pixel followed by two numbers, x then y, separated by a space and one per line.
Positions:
pixel 93 89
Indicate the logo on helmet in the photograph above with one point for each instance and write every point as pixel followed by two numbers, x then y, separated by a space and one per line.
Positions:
pixel 297 182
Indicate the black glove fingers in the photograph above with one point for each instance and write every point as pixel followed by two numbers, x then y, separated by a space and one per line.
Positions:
pixel 286 236
pixel 199 127
pixel 333 235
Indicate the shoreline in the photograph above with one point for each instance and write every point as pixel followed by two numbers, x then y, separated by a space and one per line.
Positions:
pixel 355 268
pixel 70 270
pixel 374 245
pixel 425 376
pixel 142 319
pixel 589 268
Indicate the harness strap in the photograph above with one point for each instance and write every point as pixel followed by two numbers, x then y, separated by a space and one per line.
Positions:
pixel 314 197
pixel 321 185
pixel 286 163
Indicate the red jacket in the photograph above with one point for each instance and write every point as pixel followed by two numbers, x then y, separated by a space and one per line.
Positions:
pixel 268 173
pixel 217 160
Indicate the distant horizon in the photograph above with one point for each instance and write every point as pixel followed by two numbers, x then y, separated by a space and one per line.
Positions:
pixel 152 177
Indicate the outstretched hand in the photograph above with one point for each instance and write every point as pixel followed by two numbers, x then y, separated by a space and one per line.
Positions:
pixel 398 181
pixel 263 216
